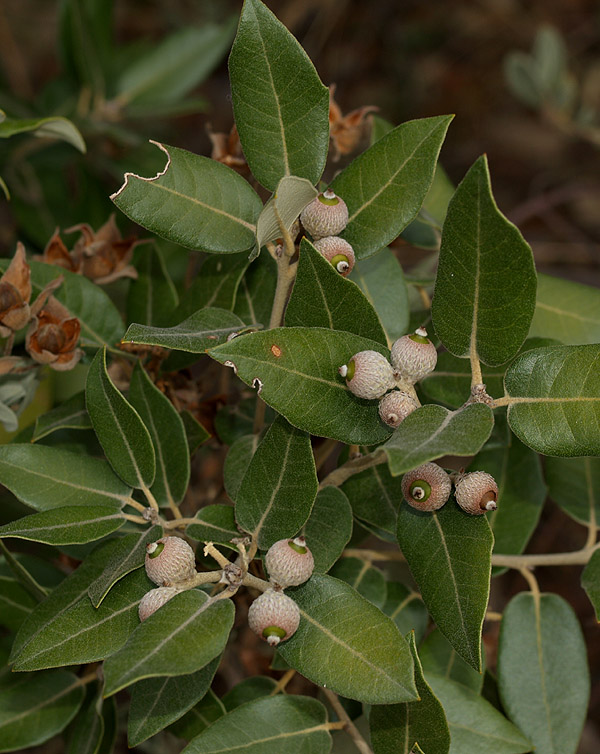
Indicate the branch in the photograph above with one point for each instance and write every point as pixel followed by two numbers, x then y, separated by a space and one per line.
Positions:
pixel 355 466
pixel 349 726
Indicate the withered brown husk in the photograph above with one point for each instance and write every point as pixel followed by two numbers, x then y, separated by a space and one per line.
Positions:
pixel 53 336
pixel 15 292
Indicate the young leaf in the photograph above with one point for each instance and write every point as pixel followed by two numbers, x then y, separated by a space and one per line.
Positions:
pixel 281 108
pixel 381 279
pixel 53 127
pixel 167 643
pixel 574 483
pixel 590 581
pixel 395 728
pixel 375 496
pixel 485 287
pixel 296 369
pixel 66 526
pixel 194 201
pixel 271 725
pixel 195 334
pixel 157 702
pixel 321 297
pixel 557 387
pixel 289 199
pixel 385 186
pixel 439 658
pixel 127 556
pixel 278 490
pixel 152 297
pixel 406 609
pixel 121 432
pixel 215 286
pixel 216 523
pixel 45 477
pixel 329 527
pixel 532 680
pixel 71 414
pixel 476 726
pixel 368 581
pixel 372 664
pixel 36 707
pixel 454 580
pixel 168 438
pixel 432 431
pixel 567 311
pixel 236 463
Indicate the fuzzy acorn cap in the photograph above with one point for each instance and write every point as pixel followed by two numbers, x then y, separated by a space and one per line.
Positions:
pixel 414 356
pixel 154 599
pixel 427 487
pixel 168 560
pixel 394 407
pixel 337 252
pixel 476 492
pixel 274 616
pixel 368 374
pixel 289 562
pixel 327 215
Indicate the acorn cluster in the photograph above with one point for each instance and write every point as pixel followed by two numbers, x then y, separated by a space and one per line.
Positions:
pixel 169 562
pixel 428 487
pixel 370 375
pixel 324 218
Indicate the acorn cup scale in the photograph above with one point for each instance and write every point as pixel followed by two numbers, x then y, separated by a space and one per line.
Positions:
pixel 338 252
pixel 274 616
pixel 426 488
pixel 169 560
pixel 154 599
pixel 327 215
pixel 289 562
pixel 368 374
pixel 413 356
pixel 476 492
pixel 394 407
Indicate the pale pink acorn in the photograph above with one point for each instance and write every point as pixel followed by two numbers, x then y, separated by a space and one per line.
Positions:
pixel 476 492
pixel 338 253
pixel 394 407
pixel 169 560
pixel 368 374
pixel 327 215
pixel 274 616
pixel 154 599
pixel 289 562
pixel 427 487
pixel 414 356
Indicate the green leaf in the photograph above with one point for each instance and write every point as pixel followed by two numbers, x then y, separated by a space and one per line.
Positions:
pixel 381 279
pixel 33 708
pixel 385 186
pixel 454 580
pixel 278 490
pixel 167 643
pixel 71 414
pixel 152 297
pixel 195 202
pixel 203 714
pixel 281 108
pixel 271 725
pixel 87 730
pixel 485 287
pixel 334 645
pixel 440 658
pixel 590 581
pixel 289 199
pixel 554 399
pixel 110 724
pixel 321 297
pixel 168 438
pixel 368 581
pixel 257 289
pixel 432 431
pixel 329 527
pixel 66 526
pixel 17 601
pixel 236 463
pixel 216 523
pixel 172 68
pixel 375 496
pixel 450 383
pixel 296 371
pixel 53 127
pixel 195 433
pixel 248 690
pixel 574 483
pixel 544 694
pixel 45 477
pixel 567 311
pixel 406 609
pixel 195 334
pixel 157 702
pixel 475 726
pixel 214 287
pixel 120 430
pixel 395 728
pixel 521 494
pixel 79 633
pixel 127 556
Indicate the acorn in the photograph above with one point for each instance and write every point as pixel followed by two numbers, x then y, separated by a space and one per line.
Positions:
pixel 394 407
pixel 327 215
pixel 368 374
pixel 274 616
pixel 427 487
pixel 476 492
pixel 414 356
pixel 337 252
pixel 289 562
pixel 169 560
pixel 154 599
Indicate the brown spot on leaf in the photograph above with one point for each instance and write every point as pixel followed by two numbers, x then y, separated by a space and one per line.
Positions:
pixel 276 351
